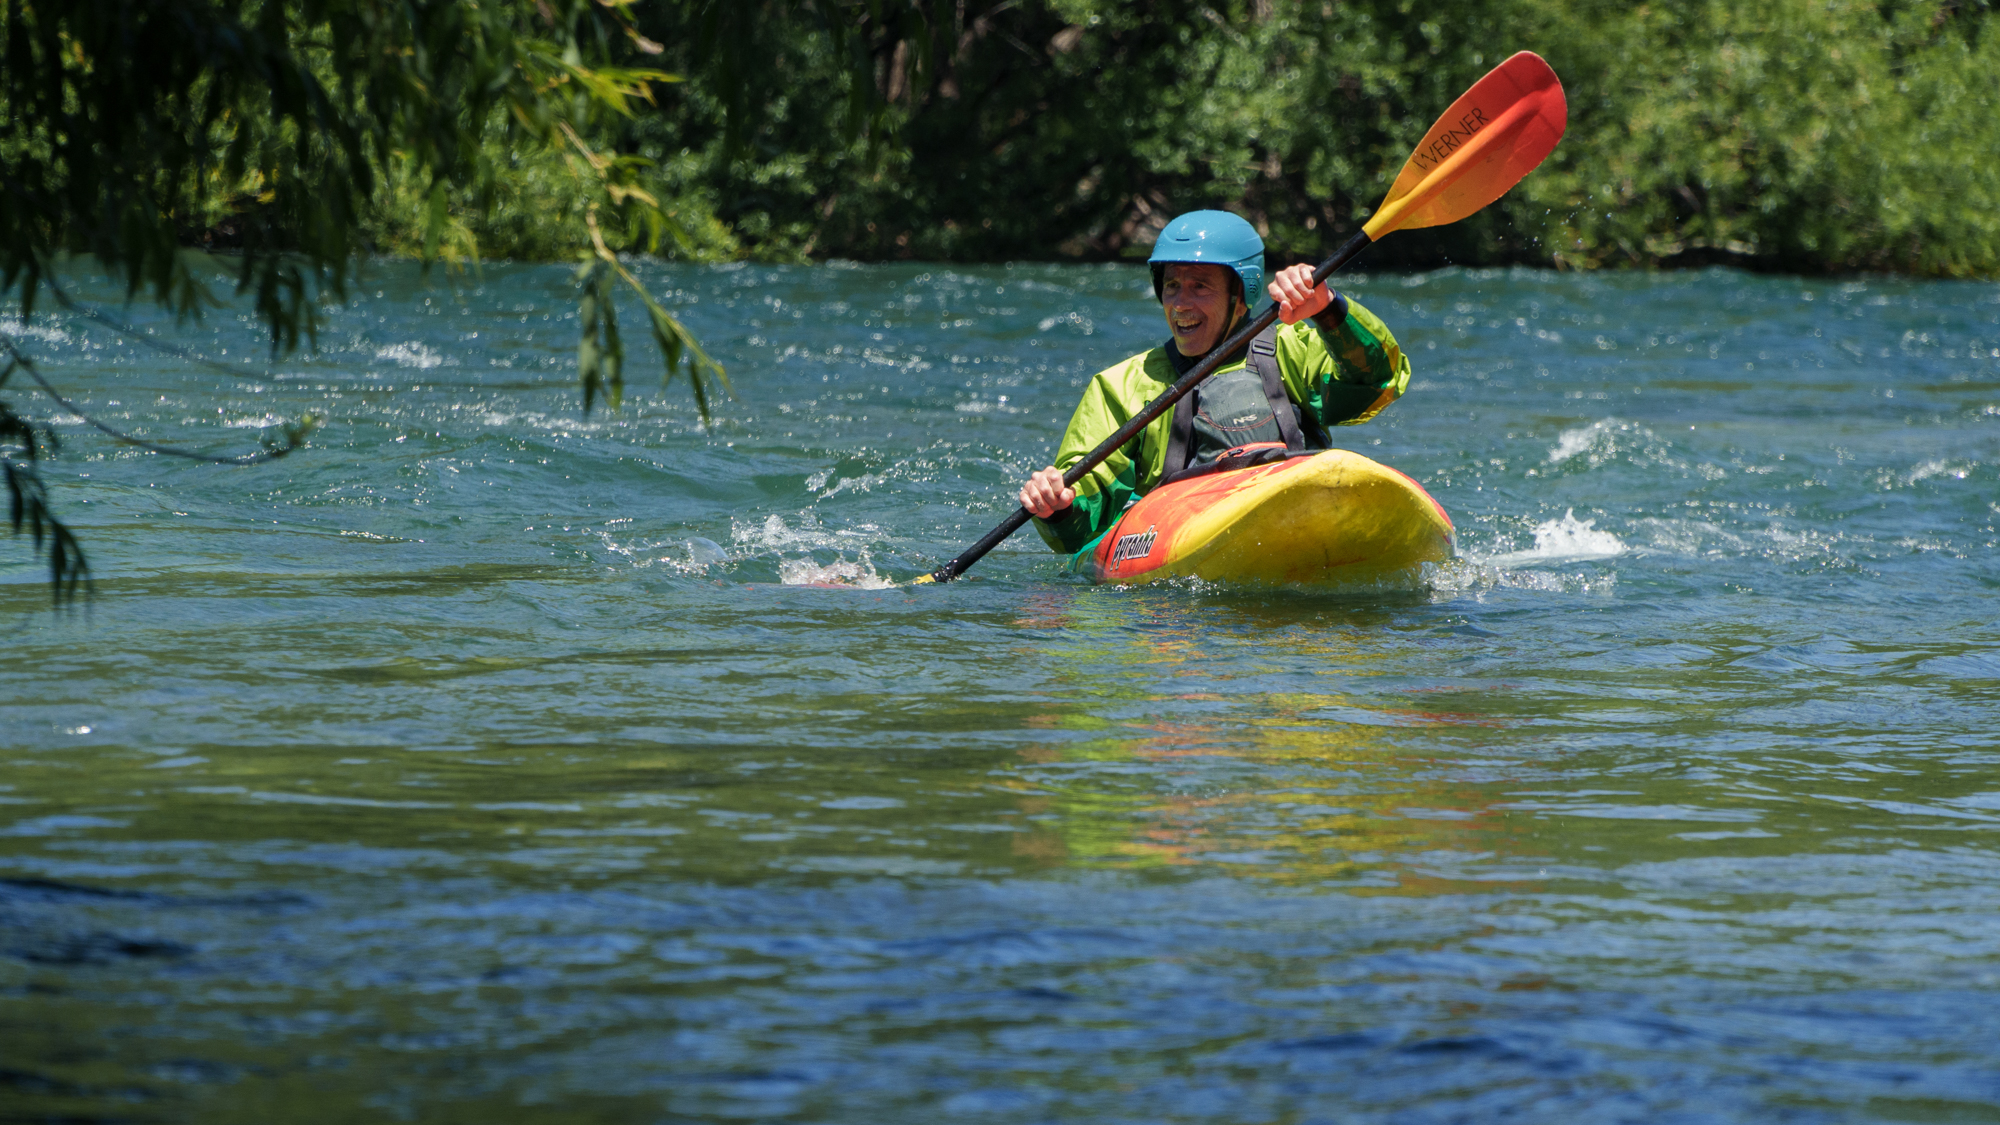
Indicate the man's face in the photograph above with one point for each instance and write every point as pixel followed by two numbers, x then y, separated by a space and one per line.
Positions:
pixel 1196 298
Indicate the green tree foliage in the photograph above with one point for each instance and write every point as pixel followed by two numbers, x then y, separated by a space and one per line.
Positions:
pixel 1811 135
pixel 129 127
pixel 1821 135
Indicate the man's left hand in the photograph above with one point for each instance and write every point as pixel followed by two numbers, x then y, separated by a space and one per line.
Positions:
pixel 1297 296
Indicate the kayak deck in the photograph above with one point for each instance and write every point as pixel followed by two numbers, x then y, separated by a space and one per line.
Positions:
pixel 1334 517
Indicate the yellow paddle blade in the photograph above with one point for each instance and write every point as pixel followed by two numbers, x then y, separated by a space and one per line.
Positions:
pixel 1490 137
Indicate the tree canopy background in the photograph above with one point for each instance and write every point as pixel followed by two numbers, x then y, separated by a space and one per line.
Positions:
pixel 1804 135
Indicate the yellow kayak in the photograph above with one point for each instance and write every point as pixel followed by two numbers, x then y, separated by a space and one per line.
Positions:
pixel 1330 517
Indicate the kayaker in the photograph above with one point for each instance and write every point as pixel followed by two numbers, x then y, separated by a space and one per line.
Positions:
pixel 1290 384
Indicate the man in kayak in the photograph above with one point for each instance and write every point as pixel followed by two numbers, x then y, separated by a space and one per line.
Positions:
pixel 1290 384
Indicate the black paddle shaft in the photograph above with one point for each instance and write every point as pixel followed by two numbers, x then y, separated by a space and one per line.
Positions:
pixel 1145 416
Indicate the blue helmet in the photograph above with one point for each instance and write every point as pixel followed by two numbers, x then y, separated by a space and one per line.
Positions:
pixel 1217 238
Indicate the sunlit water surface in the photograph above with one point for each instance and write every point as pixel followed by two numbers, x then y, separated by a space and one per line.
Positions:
pixel 485 761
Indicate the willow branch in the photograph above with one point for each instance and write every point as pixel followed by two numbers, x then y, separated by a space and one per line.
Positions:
pixel 71 304
pixel 294 437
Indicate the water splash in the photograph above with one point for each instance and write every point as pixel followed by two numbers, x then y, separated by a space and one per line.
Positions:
pixel 1472 577
pixel 705 552
pixel 1936 467
pixel 33 330
pixel 1563 540
pixel 641 553
pixel 412 354
pixel 1613 440
pixel 841 572
pixel 775 536
pixel 863 483
pixel 1598 439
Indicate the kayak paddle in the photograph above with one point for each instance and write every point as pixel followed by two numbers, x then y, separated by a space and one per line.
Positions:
pixel 1494 134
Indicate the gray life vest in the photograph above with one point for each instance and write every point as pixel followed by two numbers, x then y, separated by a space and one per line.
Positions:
pixel 1237 408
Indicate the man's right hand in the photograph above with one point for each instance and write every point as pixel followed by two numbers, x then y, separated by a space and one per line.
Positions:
pixel 1045 494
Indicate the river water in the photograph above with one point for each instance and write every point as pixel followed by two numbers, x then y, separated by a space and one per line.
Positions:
pixel 484 761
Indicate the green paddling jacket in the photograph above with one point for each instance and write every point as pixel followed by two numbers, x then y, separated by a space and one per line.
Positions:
pixel 1340 370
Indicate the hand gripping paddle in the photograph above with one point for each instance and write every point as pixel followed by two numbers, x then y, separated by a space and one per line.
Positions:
pixel 1494 134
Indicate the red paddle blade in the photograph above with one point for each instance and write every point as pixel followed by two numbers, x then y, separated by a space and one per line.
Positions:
pixel 1494 134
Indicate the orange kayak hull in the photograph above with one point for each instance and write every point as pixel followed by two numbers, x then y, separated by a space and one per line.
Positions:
pixel 1333 518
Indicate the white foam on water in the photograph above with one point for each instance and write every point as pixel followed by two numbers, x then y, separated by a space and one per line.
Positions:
pixel 28 330
pixel 1583 439
pixel 917 469
pixel 412 354
pixel 1690 537
pixel 774 534
pixel 1610 439
pixel 841 572
pixel 865 483
pixel 562 424
pixel 1464 576
pixel 1956 470
pixel 1563 540
pixel 683 554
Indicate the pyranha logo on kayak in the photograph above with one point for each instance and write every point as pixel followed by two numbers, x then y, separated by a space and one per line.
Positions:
pixel 1447 142
pixel 1133 546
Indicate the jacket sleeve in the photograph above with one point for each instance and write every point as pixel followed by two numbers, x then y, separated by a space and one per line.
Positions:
pixel 1102 493
pixel 1344 366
